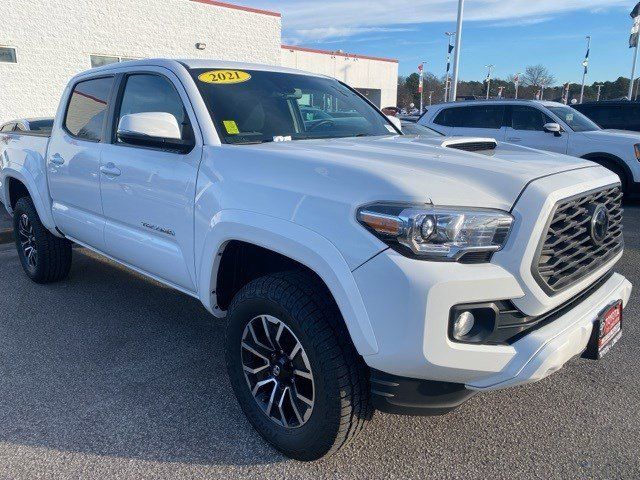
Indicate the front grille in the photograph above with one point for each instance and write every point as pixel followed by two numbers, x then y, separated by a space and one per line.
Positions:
pixel 473 146
pixel 567 252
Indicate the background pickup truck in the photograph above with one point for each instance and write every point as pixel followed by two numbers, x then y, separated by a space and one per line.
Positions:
pixel 356 267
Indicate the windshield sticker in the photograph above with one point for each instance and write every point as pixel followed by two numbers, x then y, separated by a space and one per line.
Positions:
pixel 231 127
pixel 224 76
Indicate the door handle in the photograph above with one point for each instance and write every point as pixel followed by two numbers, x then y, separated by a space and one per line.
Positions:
pixel 110 170
pixel 56 159
pixel 514 139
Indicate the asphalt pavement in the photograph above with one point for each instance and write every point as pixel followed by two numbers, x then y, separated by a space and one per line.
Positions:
pixel 109 375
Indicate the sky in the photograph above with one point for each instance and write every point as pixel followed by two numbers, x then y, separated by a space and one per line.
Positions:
pixel 511 34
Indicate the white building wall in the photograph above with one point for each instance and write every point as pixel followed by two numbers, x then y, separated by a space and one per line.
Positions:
pixel 55 38
pixel 355 70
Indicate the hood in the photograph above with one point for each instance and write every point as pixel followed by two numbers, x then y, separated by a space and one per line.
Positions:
pixel 624 136
pixel 420 169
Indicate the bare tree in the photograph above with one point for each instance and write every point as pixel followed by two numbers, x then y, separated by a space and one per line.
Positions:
pixel 538 75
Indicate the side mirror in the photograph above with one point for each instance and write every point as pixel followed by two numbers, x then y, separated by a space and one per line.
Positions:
pixel 151 129
pixel 396 122
pixel 554 128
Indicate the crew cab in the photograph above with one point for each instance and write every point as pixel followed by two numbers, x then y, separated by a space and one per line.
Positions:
pixel 356 268
pixel 550 126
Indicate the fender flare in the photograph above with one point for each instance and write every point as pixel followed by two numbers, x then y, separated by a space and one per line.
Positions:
pixel 615 160
pixel 35 191
pixel 298 243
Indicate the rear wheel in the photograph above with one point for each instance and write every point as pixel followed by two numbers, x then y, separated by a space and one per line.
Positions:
pixel 293 368
pixel 619 171
pixel 45 258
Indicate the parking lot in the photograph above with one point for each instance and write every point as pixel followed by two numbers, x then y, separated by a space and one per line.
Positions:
pixel 109 375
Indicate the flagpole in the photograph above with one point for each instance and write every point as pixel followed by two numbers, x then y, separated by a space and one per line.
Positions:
pixel 490 67
pixel 585 64
pixel 456 63
pixel 517 82
pixel 633 71
pixel 447 78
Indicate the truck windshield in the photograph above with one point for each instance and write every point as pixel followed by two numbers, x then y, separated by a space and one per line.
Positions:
pixel 252 106
pixel 577 121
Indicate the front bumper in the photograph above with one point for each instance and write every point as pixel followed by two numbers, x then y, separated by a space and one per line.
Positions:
pixel 409 304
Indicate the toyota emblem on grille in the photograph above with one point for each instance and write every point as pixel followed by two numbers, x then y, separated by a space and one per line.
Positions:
pixel 599 223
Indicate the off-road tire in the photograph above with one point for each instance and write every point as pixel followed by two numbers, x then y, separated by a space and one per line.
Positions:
pixel 342 395
pixel 53 260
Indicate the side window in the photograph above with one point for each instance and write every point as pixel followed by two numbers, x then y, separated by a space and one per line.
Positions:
pixel 152 93
pixel 8 127
pixel 87 108
pixel 483 116
pixel 632 117
pixel 450 117
pixel 528 118
pixel 20 128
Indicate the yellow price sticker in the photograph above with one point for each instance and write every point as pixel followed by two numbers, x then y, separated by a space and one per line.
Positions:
pixel 231 127
pixel 224 76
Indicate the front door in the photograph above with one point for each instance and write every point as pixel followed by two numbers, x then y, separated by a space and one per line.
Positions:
pixel 148 193
pixel 73 162
pixel 527 128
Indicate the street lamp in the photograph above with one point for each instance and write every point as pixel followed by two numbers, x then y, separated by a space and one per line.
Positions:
pixel 490 67
pixel 456 62
pixel 447 80
pixel 599 85
pixel 585 64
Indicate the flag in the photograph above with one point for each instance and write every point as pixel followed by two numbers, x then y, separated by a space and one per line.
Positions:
pixel 516 79
pixel 421 67
pixel 635 14
pixel 585 64
pixel 420 84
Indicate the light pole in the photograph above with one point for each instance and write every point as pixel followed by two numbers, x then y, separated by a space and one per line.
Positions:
pixel 516 80
pixel 599 85
pixel 430 97
pixel 585 64
pixel 456 61
pixel 490 67
pixel 447 80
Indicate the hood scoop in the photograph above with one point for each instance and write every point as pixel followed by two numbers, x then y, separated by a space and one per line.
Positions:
pixel 469 144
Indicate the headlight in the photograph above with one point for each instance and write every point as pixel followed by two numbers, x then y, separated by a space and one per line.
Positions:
pixel 636 147
pixel 437 233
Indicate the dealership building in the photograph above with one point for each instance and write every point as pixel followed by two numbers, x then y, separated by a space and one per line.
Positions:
pixel 43 43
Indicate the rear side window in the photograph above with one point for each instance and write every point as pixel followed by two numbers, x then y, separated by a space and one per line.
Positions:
pixel 476 116
pixel 8 127
pixel 88 107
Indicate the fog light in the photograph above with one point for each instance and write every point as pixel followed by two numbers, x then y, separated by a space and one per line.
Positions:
pixel 463 325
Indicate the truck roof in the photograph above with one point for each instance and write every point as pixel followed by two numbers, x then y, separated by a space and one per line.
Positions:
pixel 503 101
pixel 172 64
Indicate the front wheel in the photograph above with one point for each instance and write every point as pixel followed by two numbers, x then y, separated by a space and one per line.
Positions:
pixel 45 258
pixel 292 367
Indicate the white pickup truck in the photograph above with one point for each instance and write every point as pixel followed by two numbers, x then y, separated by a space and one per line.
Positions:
pixel 356 267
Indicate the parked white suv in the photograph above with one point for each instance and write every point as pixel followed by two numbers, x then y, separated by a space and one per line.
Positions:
pixel 543 125
pixel 355 267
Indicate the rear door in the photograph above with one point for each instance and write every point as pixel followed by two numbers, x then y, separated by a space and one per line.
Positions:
pixel 526 127
pixel 73 162
pixel 484 120
pixel 148 193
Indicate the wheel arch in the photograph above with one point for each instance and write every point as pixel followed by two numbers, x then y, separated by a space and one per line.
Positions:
pixel 298 246
pixel 15 183
pixel 604 159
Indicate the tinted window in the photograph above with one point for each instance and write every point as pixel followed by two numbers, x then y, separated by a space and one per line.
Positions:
pixel 528 118
pixel 152 93
pixel 476 116
pixel 41 126
pixel 87 108
pixel 260 106
pixel 450 117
